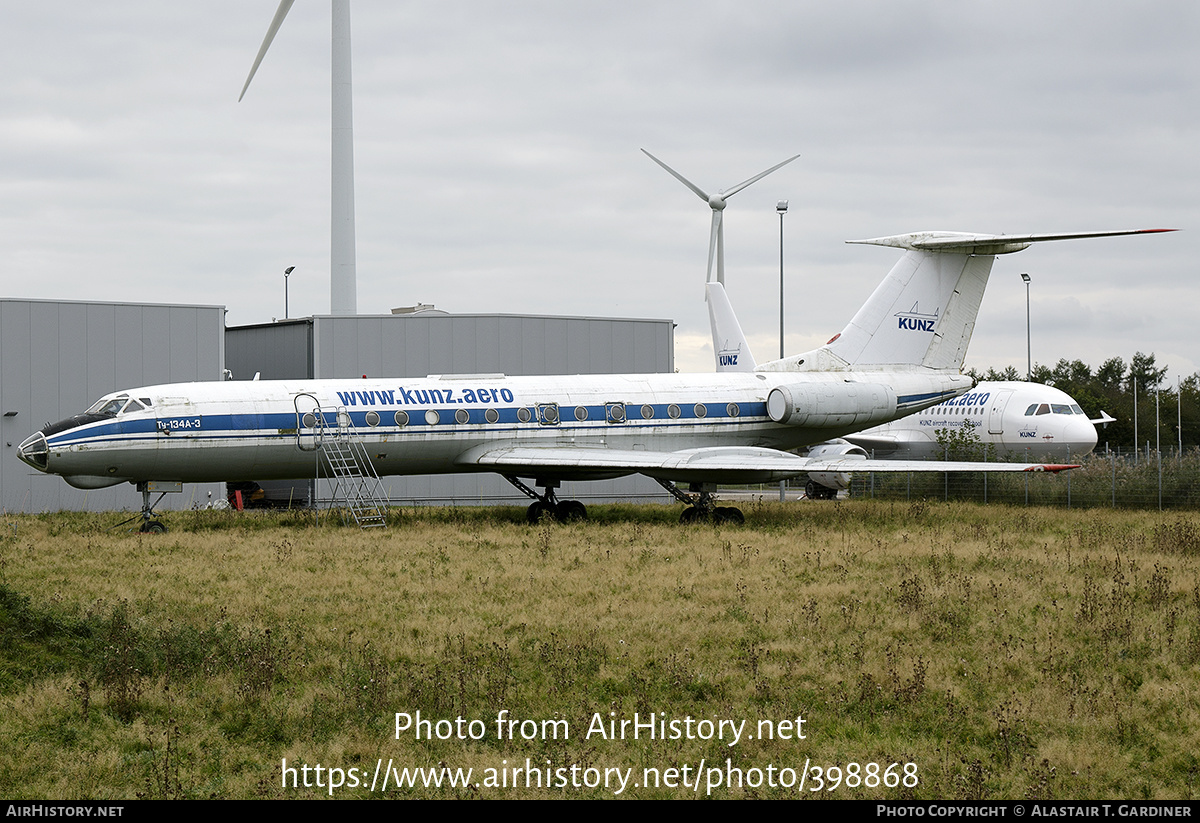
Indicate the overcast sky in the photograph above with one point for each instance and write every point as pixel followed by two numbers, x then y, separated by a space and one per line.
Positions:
pixel 498 166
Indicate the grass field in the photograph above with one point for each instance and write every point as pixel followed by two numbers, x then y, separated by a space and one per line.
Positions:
pixel 932 650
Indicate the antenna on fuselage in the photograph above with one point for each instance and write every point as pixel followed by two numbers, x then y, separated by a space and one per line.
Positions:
pixel 716 202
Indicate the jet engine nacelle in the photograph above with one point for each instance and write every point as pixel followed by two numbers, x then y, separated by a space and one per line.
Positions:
pixel 831 405
pixel 833 451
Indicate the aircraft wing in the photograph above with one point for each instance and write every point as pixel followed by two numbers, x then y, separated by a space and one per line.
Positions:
pixel 716 464
pixel 878 443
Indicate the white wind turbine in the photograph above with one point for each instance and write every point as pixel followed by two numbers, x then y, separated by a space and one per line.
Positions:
pixel 343 288
pixel 716 238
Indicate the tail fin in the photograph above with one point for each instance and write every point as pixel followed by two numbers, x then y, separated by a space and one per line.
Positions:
pixel 923 313
pixel 730 347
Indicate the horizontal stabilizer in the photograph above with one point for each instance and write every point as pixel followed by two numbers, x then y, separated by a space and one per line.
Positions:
pixel 969 243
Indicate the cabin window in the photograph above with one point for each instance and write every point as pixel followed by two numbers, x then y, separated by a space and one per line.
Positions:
pixel 548 414
pixel 461 416
pixel 491 416
pixel 673 411
pixel 432 417
pixel 581 413
pixel 372 419
pixel 309 420
pixel 524 415
pixel 647 412
pixel 700 410
pixel 614 412
pixel 732 410
pixel 401 419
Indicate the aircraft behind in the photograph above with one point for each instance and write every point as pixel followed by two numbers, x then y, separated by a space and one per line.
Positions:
pixel 1009 420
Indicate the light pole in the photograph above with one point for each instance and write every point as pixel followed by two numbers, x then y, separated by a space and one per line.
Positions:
pixel 286 272
pixel 1028 342
pixel 781 207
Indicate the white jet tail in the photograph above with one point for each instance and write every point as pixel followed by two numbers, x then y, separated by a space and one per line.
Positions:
pixel 923 313
pixel 730 346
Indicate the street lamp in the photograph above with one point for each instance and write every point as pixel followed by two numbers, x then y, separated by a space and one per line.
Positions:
pixel 781 207
pixel 286 272
pixel 1028 344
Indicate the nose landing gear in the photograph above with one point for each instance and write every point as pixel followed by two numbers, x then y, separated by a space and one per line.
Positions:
pixel 150 522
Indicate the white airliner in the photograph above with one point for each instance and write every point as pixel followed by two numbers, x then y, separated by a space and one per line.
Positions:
pixel 696 429
pixel 1011 420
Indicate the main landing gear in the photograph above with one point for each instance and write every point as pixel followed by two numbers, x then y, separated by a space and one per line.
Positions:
pixel 815 491
pixel 701 508
pixel 547 504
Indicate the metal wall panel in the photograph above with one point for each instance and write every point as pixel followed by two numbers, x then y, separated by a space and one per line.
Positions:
pixel 279 351
pixel 58 357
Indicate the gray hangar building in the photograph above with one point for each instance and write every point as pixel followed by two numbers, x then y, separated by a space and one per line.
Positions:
pixel 58 357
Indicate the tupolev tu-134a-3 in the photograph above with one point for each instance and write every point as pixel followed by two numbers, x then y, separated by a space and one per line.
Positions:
pixel 695 429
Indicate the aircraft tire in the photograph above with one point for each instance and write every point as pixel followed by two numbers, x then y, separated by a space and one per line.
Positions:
pixel 728 514
pixel 815 491
pixel 153 527
pixel 569 511
pixel 537 510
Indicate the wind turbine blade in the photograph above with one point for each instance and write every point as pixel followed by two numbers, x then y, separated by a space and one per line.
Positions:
pixel 730 192
pixel 699 193
pixel 280 13
pixel 713 247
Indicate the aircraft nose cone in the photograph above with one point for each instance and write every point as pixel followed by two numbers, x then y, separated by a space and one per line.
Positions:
pixel 1081 436
pixel 34 451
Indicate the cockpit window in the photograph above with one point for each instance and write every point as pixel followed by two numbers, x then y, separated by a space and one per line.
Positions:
pixel 1075 408
pixel 1044 408
pixel 1062 408
pixel 119 404
pixel 1032 408
pixel 108 405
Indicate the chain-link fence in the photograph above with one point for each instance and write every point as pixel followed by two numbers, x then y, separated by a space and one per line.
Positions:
pixel 1148 480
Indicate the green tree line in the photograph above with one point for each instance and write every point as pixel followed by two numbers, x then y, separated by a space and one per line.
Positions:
pixel 1114 388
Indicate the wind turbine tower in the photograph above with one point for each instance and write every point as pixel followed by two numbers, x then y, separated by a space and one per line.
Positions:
pixel 343 285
